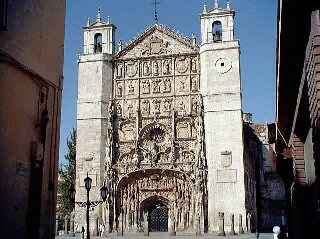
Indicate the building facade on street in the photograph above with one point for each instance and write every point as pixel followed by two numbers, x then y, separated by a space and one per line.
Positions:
pixel 31 77
pixel 160 122
pixel 298 113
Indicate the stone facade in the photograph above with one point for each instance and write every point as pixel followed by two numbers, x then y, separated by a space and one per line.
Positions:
pixel 160 122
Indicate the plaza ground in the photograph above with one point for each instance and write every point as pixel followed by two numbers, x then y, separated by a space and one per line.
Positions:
pixel 181 236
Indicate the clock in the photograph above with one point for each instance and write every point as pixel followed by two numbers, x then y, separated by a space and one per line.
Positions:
pixel 223 65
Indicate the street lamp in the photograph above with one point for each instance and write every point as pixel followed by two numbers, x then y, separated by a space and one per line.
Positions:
pixel 88 204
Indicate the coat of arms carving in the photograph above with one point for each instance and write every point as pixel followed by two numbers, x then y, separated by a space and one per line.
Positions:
pixel 155 46
pixel 226 158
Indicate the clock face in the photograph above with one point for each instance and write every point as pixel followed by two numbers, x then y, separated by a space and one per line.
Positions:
pixel 223 65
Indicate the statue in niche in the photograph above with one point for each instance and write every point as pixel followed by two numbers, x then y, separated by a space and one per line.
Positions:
pixel 194 65
pixel 156 86
pixel 119 89
pixel 146 69
pixel 156 68
pixel 167 85
pixel 182 106
pixel 194 83
pixel 195 105
pixel 119 109
pixel 166 70
pixel 119 71
pixel 167 105
pixel 145 107
pixel 130 108
pixel 157 105
pixel 145 87
pixel 130 88
pixel 183 87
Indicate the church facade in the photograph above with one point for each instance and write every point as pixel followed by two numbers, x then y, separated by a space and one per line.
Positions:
pixel 160 124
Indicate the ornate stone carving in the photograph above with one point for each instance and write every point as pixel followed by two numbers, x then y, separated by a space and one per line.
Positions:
pixel 194 65
pixel 146 68
pixel 119 109
pixel 119 89
pixel 157 106
pixel 155 46
pixel 167 67
pixel 182 65
pixel 226 158
pixel 167 85
pixel 167 105
pixel 194 84
pixel 131 87
pixel 156 86
pixel 156 68
pixel 145 87
pixel 119 73
pixel 131 69
pixel 145 107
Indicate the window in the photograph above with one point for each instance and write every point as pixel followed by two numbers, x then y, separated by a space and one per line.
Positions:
pixel 98 42
pixel 3 14
pixel 217 31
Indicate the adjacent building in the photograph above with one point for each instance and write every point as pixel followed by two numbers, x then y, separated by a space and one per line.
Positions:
pixel 298 113
pixel 160 123
pixel 31 78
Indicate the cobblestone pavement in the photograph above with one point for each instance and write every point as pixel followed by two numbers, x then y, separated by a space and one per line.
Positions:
pixel 179 236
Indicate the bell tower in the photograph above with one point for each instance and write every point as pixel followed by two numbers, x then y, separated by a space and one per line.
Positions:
pixel 94 91
pixel 222 99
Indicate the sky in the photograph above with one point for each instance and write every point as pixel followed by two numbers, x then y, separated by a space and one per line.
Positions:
pixel 255 27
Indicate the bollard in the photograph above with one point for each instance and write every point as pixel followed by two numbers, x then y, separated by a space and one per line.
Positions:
pixel 221 224
pixel 232 232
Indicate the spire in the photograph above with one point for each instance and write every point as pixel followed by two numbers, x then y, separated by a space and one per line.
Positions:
pixel 120 46
pixel 109 20
pixel 228 4
pixel 193 39
pixel 205 10
pixel 216 4
pixel 88 22
pixel 99 15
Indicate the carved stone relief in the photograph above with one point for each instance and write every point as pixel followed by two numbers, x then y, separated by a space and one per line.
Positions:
pixel 118 110
pixel 127 131
pixel 155 46
pixel 131 87
pixel 167 85
pixel 146 68
pixel 194 83
pixel 182 84
pixel 156 106
pixel 156 86
pixel 226 158
pixel 167 65
pixel 182 65
pixel 145 87
pixel 156 68
pixel 167 105
pixel 183 130
pixel 119 89
pixel 119 71
pixel 145 107
pixel 194 65
pixel 131 69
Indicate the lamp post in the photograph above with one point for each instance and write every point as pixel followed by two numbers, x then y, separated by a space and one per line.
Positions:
pixel 88 203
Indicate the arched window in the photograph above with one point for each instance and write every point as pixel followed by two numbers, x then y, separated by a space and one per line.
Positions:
pixel 217 31
pixel 98 42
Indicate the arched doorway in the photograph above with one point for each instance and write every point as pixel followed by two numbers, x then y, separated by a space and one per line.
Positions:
pixel 158 217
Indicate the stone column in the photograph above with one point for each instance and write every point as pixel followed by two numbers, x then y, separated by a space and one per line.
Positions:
pixel 145 224
pixel 198 233
pixel 120 226
pixel 240 225
pixel 65 225
pixel 221 224
pixel 173 227
pixel 232 232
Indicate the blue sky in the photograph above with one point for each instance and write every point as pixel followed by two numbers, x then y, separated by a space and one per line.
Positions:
pixel 255 27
